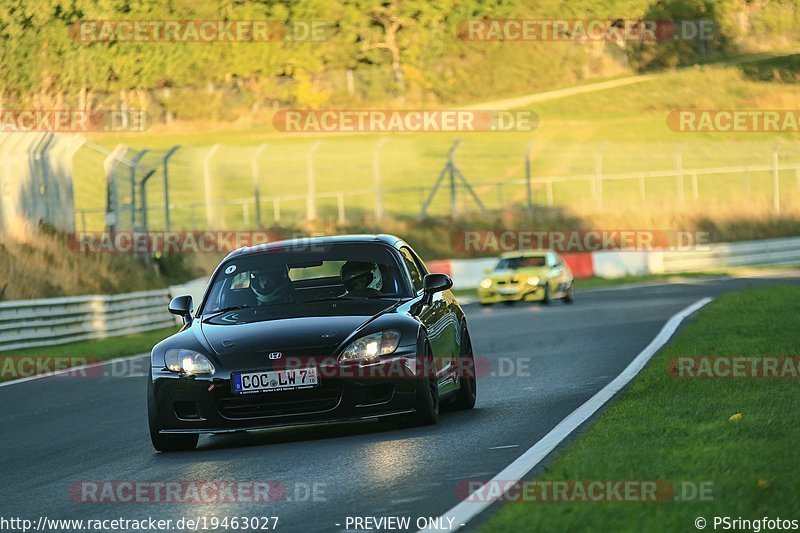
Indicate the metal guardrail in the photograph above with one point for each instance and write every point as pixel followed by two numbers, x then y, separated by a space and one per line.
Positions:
pixel 46 322
pixel 769 252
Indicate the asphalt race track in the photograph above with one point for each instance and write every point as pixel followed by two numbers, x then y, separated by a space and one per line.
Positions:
pixel 62 430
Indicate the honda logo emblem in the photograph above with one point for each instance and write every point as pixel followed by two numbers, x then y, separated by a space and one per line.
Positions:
pixel 275 355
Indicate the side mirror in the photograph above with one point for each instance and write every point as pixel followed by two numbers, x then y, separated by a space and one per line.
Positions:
pixel 433 283
pixel 182 306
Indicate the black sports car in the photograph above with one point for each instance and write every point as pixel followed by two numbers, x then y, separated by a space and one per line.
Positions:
pixel 310 331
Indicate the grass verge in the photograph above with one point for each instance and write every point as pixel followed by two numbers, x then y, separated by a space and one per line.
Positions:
pixel 92 350
pixel 666 428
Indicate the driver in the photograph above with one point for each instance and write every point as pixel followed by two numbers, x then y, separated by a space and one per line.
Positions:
pixel 361 277
pixel 271 285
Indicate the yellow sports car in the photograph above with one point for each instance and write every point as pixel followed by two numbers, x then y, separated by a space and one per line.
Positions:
pixel 534 275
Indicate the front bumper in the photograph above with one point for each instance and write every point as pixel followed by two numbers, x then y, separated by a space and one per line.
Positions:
pixel 190 404
pixel 520 293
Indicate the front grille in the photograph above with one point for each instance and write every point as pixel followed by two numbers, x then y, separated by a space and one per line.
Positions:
pixel 263 404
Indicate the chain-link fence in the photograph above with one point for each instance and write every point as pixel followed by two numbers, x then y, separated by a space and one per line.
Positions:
pixel 74 184
pixel 361 179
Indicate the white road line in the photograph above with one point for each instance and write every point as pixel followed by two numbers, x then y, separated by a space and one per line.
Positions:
pixel 467 510
pixel 72 369
pixel 504 447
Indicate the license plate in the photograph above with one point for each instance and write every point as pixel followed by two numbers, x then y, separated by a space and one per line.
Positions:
pixel 278 380
pixel 507 291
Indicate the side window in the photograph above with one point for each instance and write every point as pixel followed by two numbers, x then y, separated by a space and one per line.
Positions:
pixel 413 269
pixel 551 259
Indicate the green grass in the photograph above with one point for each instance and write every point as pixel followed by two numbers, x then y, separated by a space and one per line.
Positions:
pixel 570 132
pixel 96 350
pixel 666 428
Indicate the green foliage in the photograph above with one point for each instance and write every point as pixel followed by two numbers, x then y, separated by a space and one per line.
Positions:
pixel 399 52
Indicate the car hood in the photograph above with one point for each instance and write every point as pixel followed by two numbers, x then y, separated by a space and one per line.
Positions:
pixel 311 330
pixel 518 275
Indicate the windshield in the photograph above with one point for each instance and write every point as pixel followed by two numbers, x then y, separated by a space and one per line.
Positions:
pixel 515 263
pixel 286 279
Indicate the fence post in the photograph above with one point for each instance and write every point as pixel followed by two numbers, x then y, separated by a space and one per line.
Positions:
pixel 679 172
pixel 340 207
pixel 528 189
pixel 257 183
pixel 143 187
pixel 598 175
pixel 207 184
pixel 165 164
pixel 776 188
pixel 376 179
pixel 311 190
pixel 276 210
pixel 134 167
pixel 112 186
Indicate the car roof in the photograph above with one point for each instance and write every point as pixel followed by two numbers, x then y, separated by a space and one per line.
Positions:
pixel 525 253
pixel 390 240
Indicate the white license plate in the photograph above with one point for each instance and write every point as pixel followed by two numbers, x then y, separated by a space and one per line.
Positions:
pixel 277 380
pixel 507 291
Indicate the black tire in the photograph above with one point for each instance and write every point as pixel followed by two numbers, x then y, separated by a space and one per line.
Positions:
pixel 161 442
pixel 466 395
pixel 546 300
pixel 427 405
pixel 569 296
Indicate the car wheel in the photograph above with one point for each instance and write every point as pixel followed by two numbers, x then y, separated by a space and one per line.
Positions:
pixel 427 405
pixel 166 443
pixel 467 393
pixel 569 296
pixel 546 300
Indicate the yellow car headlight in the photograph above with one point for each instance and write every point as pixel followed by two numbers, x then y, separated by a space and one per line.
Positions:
pixel 533 280
pixel 485 284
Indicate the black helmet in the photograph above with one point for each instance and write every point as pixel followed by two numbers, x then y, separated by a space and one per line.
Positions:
pixel 360 275
pixel 270 284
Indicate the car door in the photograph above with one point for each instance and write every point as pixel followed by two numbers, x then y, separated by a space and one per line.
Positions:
pixel 556 272
pixel 437 318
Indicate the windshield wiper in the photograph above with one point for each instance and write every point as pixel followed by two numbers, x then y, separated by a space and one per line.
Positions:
pixel 345 297
pixel 227 309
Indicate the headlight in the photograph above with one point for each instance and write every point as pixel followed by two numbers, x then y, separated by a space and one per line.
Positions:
pixel 371 347
pixel 533 280
pixel 187 362
pixel 486 283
